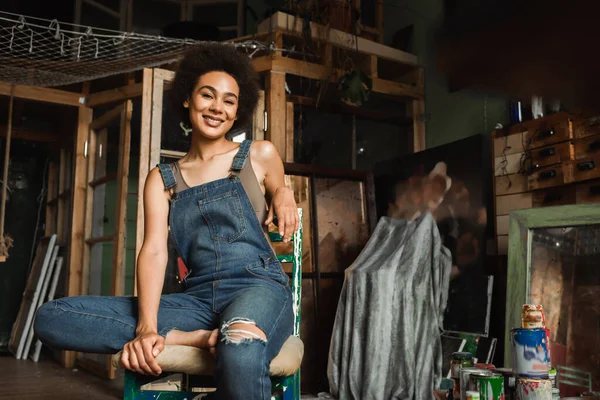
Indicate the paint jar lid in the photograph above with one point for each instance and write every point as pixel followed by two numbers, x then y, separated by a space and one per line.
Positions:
pixel 533 307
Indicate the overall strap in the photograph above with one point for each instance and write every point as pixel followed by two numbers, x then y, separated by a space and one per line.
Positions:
pixel 240 158
pixel 167 175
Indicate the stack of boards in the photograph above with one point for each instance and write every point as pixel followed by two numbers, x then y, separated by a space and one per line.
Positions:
pixel 41 287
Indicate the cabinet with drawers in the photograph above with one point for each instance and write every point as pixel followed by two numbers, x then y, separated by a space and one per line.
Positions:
pixel 549 161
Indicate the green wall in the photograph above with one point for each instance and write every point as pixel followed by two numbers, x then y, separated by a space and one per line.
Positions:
pixel 449 116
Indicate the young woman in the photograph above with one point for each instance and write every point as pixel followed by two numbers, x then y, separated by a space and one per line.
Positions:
pixel 237 301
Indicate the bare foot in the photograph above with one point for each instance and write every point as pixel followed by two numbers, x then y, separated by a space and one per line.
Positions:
pixel 201 338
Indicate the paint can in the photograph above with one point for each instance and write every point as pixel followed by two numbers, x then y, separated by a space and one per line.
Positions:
pixel 534 389
pixel 465 374
pixel 460 360
pixel 529 352
pixel 509 382
pixel 473 395
pixel 552 377
pixel 532 316
pixel 548 346
pixel 490 387
pixel 473 378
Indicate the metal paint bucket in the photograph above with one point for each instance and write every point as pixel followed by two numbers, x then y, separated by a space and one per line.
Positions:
pixel 534 389
pixel 529 352
pixel 465 374
pixel 473 377
pixel 460 360
pixel 532 316
pixel 490 387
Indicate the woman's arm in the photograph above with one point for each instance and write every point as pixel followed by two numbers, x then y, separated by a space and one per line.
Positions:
pixel 153 257
pixel 140 354
pixel 283 203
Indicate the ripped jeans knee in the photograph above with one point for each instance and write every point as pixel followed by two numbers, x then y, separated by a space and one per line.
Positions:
pixel 241 330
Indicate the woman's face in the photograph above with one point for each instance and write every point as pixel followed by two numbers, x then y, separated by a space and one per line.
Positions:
pixel 213 104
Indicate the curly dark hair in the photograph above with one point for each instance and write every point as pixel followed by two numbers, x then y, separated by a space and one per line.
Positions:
pixel 208 57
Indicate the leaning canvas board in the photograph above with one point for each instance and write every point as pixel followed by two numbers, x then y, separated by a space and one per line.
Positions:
pixel 35 356
pixel 27 309
pixel 41 298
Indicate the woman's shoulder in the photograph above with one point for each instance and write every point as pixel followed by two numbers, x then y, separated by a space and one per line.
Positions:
pixel 263 150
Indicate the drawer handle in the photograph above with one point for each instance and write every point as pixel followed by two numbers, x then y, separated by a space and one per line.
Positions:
pixel 595 190
pixel 547 134
pixel 586 166
pixel 550 152
pixel 595 145
pixel 547 174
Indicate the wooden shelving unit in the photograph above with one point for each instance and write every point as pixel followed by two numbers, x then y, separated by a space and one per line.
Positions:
pixel 548 161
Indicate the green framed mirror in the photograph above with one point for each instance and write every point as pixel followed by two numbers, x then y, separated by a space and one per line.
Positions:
pixel 554 260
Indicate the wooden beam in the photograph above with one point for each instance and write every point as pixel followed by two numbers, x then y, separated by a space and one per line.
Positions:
pixel 416 109
pixel 100 239
pixel 144 163
pixel 31 135
pixel 286 65
pixel 62 209
pixel 322 72
pixel 51 199
pixel 164 74
pixel 78 203
pixel 158 88
pixel 289 23
pixel 121 202
pixel 44 94
pixel 114 95
pixel 106 118
pixel 76 240
pixel 397 89
pixel 276 107
pixel 258 119
pixel 262 64
pixel 89 210
pixel 289 132
pixel 103 179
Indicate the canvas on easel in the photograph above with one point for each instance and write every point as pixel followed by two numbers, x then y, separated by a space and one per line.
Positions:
pixel 27 310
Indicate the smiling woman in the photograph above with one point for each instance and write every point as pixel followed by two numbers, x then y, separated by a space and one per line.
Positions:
pixel 237 302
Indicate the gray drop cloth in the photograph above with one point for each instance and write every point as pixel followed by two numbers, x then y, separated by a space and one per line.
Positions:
pixel 386 338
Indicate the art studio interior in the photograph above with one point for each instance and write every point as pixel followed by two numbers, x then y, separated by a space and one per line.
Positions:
pixel 444 157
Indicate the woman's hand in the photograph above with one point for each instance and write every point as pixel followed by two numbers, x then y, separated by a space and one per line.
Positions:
pixel 140 354
pixel 284 206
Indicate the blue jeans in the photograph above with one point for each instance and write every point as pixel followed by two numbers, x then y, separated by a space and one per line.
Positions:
pixel 100 324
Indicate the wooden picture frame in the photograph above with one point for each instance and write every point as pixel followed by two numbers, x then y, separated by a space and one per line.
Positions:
pixel 521 226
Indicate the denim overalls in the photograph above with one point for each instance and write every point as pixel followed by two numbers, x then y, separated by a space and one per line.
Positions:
pixel 234 277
